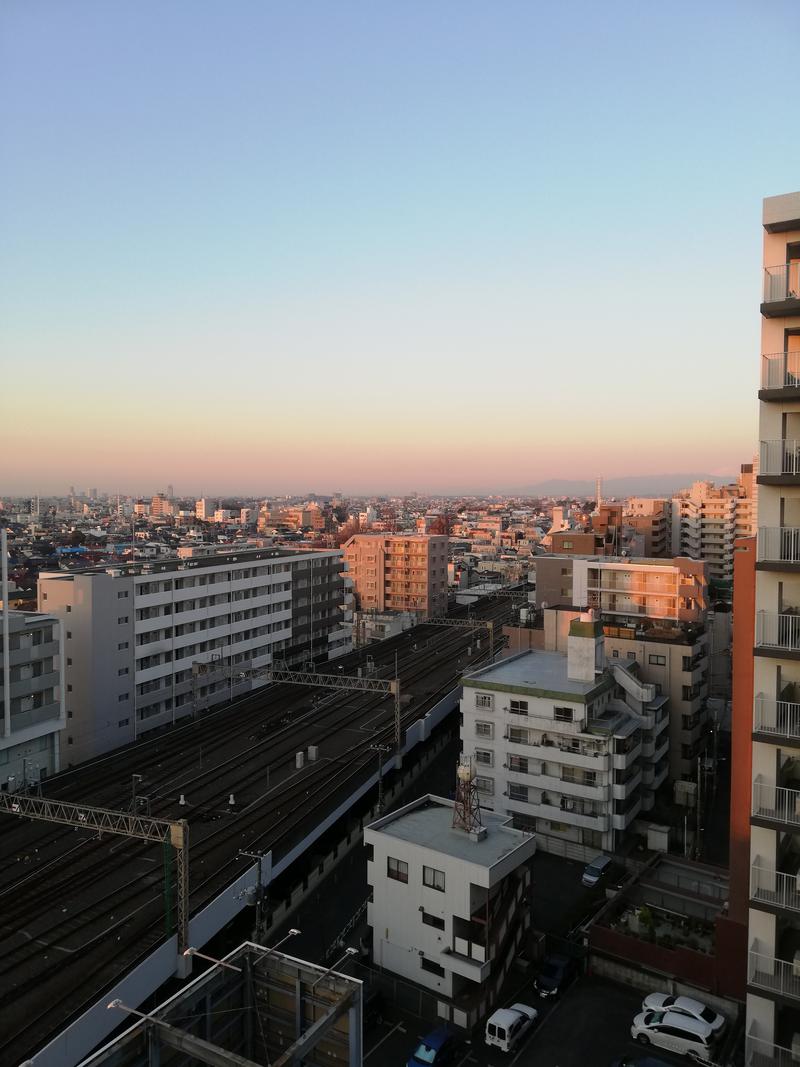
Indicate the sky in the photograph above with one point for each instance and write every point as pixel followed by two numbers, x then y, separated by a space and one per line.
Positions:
pixel 249 246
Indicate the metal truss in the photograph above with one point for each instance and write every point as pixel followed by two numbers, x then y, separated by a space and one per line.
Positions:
pixel 124 823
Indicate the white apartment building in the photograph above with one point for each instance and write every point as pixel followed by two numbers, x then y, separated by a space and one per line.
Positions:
pixel 568 747
pixel 773 971
pixel 31 699
pixel 148 643
pixel 450 909
pixel 707 518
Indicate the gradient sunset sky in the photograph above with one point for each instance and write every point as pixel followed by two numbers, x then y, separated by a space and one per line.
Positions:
pixel 268 247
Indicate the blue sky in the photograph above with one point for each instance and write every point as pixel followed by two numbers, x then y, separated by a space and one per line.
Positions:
pixel 382 246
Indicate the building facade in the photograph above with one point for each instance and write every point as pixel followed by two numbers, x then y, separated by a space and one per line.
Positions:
pixel 149 643
pixel 32 712
pixel 398 572
pixel 706 520
pixel 773 999
pixel 569 747
pixel 450 909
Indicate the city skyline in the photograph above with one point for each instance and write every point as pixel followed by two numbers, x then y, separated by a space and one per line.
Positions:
pixel 341 246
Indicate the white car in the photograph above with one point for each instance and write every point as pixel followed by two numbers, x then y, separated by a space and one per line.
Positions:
pixel 676 1032
pixel 695 1009
pixel 506 1027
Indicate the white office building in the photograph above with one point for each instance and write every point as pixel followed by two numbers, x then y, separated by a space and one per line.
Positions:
pixel 149 643
pixel 569 747
pixel 450 909
pixel 31 699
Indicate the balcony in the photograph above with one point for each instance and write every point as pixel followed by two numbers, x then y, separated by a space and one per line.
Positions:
pixel 760 1053
pixel 776 888
pixel 779 462
pixel 776 976
pixel 781 290
pixel 779 719
pixel 779 548
pixel 780 376
pixel 779 633
pixel 775 803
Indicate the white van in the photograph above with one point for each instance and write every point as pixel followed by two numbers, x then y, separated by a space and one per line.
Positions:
pixel 507 1026
pixel 594 871
pixel 679 1033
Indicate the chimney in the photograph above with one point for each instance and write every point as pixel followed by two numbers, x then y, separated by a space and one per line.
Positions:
pixel 585 654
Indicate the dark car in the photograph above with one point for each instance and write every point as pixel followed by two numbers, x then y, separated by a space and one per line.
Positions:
pixel 556 974
pixel 435 1050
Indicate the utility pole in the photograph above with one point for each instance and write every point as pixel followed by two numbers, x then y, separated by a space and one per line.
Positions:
pixel 381 751
pixel 135 779
pixel 258 857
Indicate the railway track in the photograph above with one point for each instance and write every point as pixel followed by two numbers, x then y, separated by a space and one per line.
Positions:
pixel 112 918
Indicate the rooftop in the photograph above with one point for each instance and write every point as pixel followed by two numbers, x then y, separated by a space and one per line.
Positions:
pixel 428 822
pixel 534 671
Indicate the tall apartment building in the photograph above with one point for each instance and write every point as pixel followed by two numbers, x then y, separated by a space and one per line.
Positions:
pixel 148 643
pixel 654 614
pixel 569 746
pixel 651 517
pixel 31 699
pixel 398 572
pixel 706 519
pixel 773 973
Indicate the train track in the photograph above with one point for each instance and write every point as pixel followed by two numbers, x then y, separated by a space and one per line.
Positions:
pixel 113 910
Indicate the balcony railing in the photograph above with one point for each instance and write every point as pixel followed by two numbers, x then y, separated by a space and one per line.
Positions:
pixel 778 976
pixel 781 718
pixel 779 457
pixel 782 282
pixel 780 370
pixel 759 1053
pixel 774 887
pixel 779 544
pixel 776 803
pixel 775 630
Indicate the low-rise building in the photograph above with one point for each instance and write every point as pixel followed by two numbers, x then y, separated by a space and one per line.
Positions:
pixel 450 908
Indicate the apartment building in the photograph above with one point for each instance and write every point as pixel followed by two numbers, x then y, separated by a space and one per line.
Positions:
pixel 398 572
pixel 149 643
pixel 706 519
pixel 450 909
pixel 570 747
pixel 31 699
pixel 651 518
pixel 773 972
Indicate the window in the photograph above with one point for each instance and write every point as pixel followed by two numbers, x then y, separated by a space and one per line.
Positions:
pixel 484 785
pixel 122 620
pixel 433 879
pixel 658 661
pixel 69 661
pixel 559 827
pixel 69 687
pixel 122 594
pixel 123 722
pixel 631 655
pixel 122 646
pixel 123 697
pixel 431 967
pixel 562 714
pixel 396 869
pixel 517 791
pixel 69 634
pixel 484 729
pixel 566 544
pixel 518 707
pixel 69 714
pixel 518 764
pixel 484 700
pixel 69 741
pixel 121 671
pixel 615 653
pixel 69 608
pixel 433 920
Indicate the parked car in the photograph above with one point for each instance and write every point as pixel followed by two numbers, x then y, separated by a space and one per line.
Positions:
pixel 676 1032
pixel 436 1050
pixel 594 871
pixel 506 1027
pixel 555 974
pixel 696 1009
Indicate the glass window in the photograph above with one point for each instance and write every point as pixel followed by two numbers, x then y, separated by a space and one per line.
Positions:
pixel 562 714
pixel 433 879
pixel 484 700
pixel 396 869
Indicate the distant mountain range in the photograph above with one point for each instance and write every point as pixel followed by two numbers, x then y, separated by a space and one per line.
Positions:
pixel 633 485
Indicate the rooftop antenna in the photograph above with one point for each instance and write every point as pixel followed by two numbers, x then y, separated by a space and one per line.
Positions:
pixel 598 492
pixel 467 807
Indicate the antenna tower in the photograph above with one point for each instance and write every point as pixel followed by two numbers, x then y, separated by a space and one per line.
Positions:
pixel 467 807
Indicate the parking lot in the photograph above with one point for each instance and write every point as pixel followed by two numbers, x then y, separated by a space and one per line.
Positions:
pixel 589 1026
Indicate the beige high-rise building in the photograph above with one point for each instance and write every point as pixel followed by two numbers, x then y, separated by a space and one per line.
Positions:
pixel 398 572
pixel 773 935
pixel 707 518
